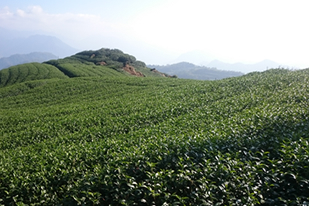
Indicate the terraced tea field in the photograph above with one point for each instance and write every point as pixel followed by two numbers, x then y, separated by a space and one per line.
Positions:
pixel 120 140
pixel 28 72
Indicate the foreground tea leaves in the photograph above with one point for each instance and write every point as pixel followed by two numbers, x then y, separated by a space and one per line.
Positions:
pixel 134 141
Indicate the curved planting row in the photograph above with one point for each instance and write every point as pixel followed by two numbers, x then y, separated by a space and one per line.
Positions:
pixel 28 72
pixel 147 141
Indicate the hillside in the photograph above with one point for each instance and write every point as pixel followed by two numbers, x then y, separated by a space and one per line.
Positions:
pixel 103 62
pixel 16 59
pixel 187 70
pixel 29 72
pixel 115 140
pixel 112 58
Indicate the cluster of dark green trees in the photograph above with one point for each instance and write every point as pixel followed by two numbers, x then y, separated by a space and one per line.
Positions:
pixel 109 56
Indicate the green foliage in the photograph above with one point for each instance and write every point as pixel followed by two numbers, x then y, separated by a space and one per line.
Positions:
pixel 84 70
pixel 156 141
pixel 100 63
pixel 109 56
pixel 28 72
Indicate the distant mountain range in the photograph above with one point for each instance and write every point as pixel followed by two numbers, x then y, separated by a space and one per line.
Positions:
pixel 16 59
pixel 245 68
pixel 187 70
pixel 196 57
pixel 21 42
pixel 11 43
pixel 207 59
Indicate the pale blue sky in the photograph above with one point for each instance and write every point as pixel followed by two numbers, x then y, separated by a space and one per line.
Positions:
pixel 113 10
pixel 157 31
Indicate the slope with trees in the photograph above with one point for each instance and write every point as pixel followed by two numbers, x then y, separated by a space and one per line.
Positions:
pixel 103 62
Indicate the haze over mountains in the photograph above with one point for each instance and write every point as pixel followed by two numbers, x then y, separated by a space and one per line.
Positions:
pixel 202 58
pixel 16 59
pixel 14 42
pixel 245 68
pixel 22 43
pixel 186 70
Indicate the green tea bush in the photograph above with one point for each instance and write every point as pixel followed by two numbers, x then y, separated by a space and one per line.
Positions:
pixel 28 72
pixel 156 141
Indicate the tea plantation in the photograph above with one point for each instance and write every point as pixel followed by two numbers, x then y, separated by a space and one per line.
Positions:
pixel 121 140
pixel 28 72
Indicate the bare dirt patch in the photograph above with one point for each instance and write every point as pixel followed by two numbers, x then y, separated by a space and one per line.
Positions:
pixel 132 71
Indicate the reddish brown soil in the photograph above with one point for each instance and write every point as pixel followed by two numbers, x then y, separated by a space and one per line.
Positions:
pixel 162 74
pixel 132 71
pixel 102 63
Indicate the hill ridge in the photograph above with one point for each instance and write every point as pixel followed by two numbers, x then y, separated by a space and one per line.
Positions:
pixel 102 62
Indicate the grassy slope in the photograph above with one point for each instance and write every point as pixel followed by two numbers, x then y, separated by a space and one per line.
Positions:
pixel 122 140
pixel 87 63
pixel 73 67
pixel 28 72
pixel 79 65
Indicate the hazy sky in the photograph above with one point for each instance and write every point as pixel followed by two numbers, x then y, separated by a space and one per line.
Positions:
pixel 157 31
